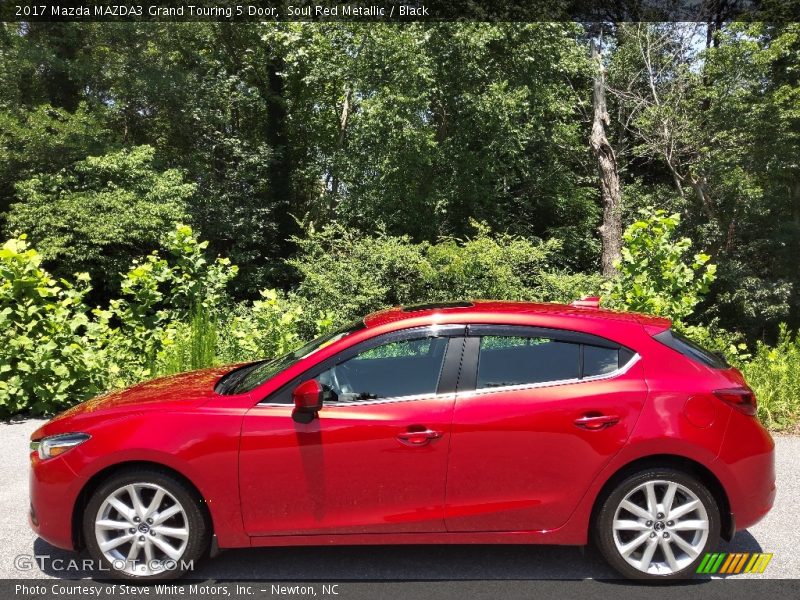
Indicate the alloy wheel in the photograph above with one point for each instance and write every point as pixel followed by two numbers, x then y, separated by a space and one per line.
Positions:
pixel 142 529
pixel 660 527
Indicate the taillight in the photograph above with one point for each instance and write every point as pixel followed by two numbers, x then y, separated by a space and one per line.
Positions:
pixel 742 399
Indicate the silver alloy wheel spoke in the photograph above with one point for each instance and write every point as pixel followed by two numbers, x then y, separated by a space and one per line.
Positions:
pixel 660 527
pixel 629 525
pixel 647 556
pixel 144 527
pixel 159 518
pixel 112 524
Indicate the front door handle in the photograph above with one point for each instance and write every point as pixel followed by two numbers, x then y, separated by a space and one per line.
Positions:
pixel 594 421
pixel 418 437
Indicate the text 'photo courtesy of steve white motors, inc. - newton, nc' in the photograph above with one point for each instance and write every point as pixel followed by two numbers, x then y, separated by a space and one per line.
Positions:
pixel 193 11
pixel 169 590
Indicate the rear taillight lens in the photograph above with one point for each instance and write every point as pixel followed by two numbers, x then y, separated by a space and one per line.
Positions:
pixel 742 399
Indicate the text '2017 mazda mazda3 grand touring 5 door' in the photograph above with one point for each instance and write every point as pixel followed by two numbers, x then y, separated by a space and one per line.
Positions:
pixel 467 422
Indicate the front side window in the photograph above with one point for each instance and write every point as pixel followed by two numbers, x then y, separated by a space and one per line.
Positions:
pixel 511 360
pixel 401 368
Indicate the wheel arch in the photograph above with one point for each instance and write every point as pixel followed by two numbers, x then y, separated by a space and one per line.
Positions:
pixel 109 471
pixel 678 462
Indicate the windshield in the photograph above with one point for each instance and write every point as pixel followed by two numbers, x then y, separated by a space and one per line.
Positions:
pixel 251 376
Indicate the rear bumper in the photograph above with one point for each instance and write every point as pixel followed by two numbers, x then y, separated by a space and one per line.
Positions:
pixel 746 466
pixel 54 489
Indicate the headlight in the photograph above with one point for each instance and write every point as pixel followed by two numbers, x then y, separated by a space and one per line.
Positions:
pixel 54 445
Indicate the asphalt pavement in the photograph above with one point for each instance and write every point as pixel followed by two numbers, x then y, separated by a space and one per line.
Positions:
pixel 778 533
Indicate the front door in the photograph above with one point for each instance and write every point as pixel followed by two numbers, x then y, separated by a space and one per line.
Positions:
pixel 374 461
pixel 543 413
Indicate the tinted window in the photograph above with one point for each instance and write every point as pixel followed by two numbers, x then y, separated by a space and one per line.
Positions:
pixel 688 348
pixel 599 361
pixel 249 377
pixel 402 368
pixel 511 360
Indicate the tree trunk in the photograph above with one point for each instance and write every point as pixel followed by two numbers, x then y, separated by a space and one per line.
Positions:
pixel 611 229
pixel 343 119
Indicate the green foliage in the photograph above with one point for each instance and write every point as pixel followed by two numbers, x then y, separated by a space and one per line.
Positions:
pixel 774 375
pixel 49 356
pixel 347 274
pixel 268 328
pixel 655 274
pixel 100 212
pixel 158 295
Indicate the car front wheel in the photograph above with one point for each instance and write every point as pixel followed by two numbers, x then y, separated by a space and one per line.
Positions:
pixel 145 524
pixel 658 524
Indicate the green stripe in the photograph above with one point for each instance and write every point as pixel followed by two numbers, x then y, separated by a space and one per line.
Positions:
pixel 718 564
pixel 701 568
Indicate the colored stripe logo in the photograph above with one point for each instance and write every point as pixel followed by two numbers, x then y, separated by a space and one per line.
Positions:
pixel 734 563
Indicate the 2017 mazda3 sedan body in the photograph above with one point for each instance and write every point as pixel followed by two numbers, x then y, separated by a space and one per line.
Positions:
pixel 467 422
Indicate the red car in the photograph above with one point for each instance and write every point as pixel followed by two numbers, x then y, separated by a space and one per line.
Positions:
pixel 472 422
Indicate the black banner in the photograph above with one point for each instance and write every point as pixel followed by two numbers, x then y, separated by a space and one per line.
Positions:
pixel 401 11
pixel 713 589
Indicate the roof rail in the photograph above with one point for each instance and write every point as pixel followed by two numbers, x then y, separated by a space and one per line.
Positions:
pixel 587 302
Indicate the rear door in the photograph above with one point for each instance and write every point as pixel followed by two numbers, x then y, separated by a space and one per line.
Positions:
pixel 538 413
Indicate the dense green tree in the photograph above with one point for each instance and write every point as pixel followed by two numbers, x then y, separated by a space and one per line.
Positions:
pixel 100 212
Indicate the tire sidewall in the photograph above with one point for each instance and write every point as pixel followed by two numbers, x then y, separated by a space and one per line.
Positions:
pixel 198 523
pixel 603 530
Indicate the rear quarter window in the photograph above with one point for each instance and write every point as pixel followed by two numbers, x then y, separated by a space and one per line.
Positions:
pixel 680 343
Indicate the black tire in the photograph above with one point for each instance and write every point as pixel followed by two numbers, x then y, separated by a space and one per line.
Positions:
pixel 603 523
pixel 197 519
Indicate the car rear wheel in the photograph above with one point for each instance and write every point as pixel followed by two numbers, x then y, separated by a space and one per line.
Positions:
pixel 657 524
pixel 145 524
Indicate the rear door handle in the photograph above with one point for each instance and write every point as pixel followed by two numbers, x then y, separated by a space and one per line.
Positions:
pixel 594 422
pixel 418 438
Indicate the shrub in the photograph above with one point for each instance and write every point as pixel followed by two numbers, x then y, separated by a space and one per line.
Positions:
pixel 267 328
pixel 774 375
pixel 655 274
pixel 49 355
pixel 346 274
pixel 171 301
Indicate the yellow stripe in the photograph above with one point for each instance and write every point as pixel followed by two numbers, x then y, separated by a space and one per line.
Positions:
pixel 752 562
pixel 765 558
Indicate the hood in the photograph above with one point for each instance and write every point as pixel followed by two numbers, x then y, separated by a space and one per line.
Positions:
pixel 172 392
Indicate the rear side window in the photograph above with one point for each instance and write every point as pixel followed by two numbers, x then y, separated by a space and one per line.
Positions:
pixel 689 349
pixel 506 360
pixel 599 361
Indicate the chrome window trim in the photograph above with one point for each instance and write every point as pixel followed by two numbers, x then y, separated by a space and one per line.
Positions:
pixel 480 392
pixel 410 398
pixel 542 384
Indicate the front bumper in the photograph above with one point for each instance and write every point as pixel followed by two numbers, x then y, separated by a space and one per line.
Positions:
pixel 54 490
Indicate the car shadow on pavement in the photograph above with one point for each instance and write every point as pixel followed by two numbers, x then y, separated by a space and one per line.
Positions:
pixel 385 563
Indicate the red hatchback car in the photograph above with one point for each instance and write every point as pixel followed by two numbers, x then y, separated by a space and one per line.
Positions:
pixel 470 422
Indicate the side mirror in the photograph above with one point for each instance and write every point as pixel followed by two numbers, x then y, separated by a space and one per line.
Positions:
pixel 307 398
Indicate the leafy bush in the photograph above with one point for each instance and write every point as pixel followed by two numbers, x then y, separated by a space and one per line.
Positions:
pixel 774 375
pixel 346 274
pixel 655 274
pixel 49 356
pixel 167 301
pixel 267 328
